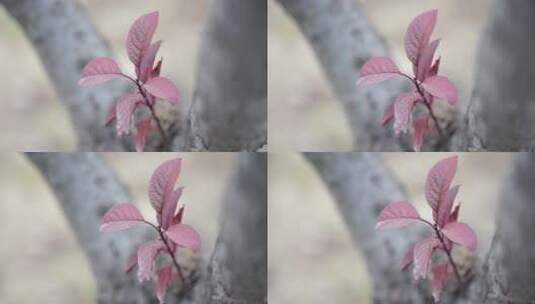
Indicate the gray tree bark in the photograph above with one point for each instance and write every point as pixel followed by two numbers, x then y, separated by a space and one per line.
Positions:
pixel 86 187
pixel 501 112
pixel 361 187
pixel 343 40
pixel 229 112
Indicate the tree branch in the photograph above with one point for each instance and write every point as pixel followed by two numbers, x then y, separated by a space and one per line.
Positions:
pixel 237 272
pixel 500 116
pixel 362 187
pixel 86 187
pixel 343 40
pixel 229 108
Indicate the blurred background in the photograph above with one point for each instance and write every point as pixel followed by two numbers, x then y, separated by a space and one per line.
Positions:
pixel 312 258
pixel 29 103
pixel 39 252
pixel 300 100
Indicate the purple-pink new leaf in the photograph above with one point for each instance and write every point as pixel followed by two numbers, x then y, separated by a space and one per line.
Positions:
pixel 421 128
pixel 426 59
pixel 407 258
pixel 178 216
pixel 418 35
pixel 184 236
pixel 403 106
pixel 438 182
pixel 163 88
pixel 454 216
pixel 376 70
pixel 121 217
pixel 147 61
pixel 445 206
pixel 388 115
pixel 146 258
pixel 440 275
pixel 423 251
pixel 131 263
pixel 112 115
pixel 140 36
pixel 396 215
pixel 162 182
pixel 164 276
pixel 124 110
pixel 99 70
pixel 169 207
pixel 143 129
pixel 441 88
pixel 156 70
pixel 462 234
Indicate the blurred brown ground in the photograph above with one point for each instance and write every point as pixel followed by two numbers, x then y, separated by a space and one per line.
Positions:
pixel 311 256
pixel 40 260
pixel 303 112
pixel 31 112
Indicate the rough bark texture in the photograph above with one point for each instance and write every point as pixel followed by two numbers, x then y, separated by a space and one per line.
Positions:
pixel 229 111
pixel 508 276
pixel 362 187
pixel 500 116
pixel 86 187
pixel 66 40
pixel 230 102
pixel 343 40
pixel 238 267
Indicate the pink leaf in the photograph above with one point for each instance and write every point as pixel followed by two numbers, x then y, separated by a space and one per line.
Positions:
pixel 146 258
pixel 403 106
pixel 147 61
pixel 454 216
pixel 178 216
pixel 407 259
pixel 140 36
pixel 440 275
pixel 444 208
pixel 441 88
pixel 124 110
pixel 156 71
pixel 388 115
pixel 423 251
pixel 396 215
pixel 376 70
pixel 184 236
pixel 120 217
pixel 434 68
pixel 131 263
pixel 418 35
pixel 426 59
pixel 163 88
pixel 99 70
pixel 438 182
pixel 165 275
pixel 461 234
pixel 421 127
pixel 143 129
pixel 169 207
pixel 162 182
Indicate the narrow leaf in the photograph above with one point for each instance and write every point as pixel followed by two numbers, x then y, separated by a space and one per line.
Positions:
pixel 426 59
pixel 388 115
pixel 143 129
pixel 112 115
pixel 165 275
pixel 146 258
pixel 156 71
pixel 131 263
pixel 418 35
pixel 178 216
pixel 184 236
pixel 440 275
pixel 163 88
pixel 423 251
pixel 441 88
pixel 454 216
pixel 407 259
pixel 438 182
pixel 147 61
pixel 120 217
pixel 162 182
pixel 140 36
pixel 461 234
pixel 421 128
pixel 396 215
pixel 169 208
pixel 376 70
pixel 99 70
pixel 403 106
pixel 124 110
pixel 444 207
